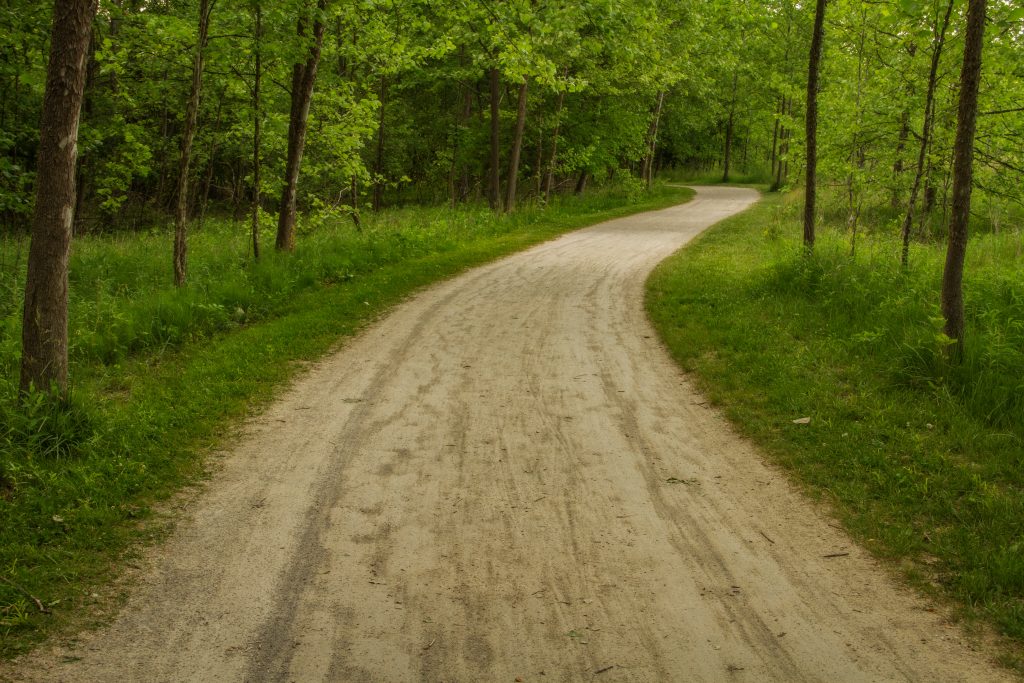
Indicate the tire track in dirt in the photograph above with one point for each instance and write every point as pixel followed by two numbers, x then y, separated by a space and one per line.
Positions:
pixel 507 478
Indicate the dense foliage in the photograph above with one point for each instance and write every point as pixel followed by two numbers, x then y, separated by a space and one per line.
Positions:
pixel 401 106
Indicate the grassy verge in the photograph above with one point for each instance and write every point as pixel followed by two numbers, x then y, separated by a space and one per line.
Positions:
pixel 159 374
pixel 922 461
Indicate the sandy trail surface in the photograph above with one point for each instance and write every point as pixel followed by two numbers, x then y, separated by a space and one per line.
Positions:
pixel 508 479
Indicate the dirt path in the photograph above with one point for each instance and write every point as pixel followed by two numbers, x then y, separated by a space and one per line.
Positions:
pixel 508 479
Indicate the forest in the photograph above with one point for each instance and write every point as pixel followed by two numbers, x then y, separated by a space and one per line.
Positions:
pixel 227 162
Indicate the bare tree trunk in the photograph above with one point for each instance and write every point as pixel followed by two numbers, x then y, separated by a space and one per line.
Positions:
pixel 963 160
pixel 303 78
pixel 44 336
pixel 187 136
pixel 813 69
pixel 517 146
pixel 493 178
pixel 549 180
pixel 256 129
pixel 929 115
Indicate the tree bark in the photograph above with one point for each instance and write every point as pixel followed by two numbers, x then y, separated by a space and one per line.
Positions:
pixel 378 161
pixel 728 131
pixel 581 182
pixel 517 146
pixel 963 160
pixel 549 180
pixel 208 181
pixel 303 78
pixel 256 129
pixel 775 139
pixel 44 337
pixel 185 158
pixel 813 69
pixel 647 170
pixel 494 174
pixel 929 115
pixel 897 165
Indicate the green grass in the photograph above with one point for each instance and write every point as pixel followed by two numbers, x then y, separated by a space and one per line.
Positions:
pixel 922 460
pixel 159 375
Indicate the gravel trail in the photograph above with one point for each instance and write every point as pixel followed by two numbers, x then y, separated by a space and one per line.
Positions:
pixel 508 479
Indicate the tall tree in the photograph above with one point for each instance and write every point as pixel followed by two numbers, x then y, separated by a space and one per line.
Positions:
pixel 517 146
pixel 257 116
pixel 493 173
pixel 813 69
pixel 926 129
pixel 729 129
pixel 303 78
pixel 188 134
pixel 44 360
pixel 963 175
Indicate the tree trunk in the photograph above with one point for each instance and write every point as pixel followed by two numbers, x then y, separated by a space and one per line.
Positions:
pixel 782 165
pixel 581 182
pixel 44 337
pixel 303 78
pixel 256 128
pixel 728 131
pixel 493 178
pixel 963 159
pixel 517 146
pixel 187 136
pixel 208 180
pixel 647 169
pixel 775 141
pixel 378 161
pixel 813 68
pixel 897 165
pixel 549 180
pixel 929 115
pixel 354 187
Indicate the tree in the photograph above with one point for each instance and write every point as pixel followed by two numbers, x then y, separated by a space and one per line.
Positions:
pixel 257 116
pixel 963 173
pixel 494 173
pixel 926 129
pixel 44 360
pixel 303 78
pixel 187 136
pixel 517 146
pixel 813 69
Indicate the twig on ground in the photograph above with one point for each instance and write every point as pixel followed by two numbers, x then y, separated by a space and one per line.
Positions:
pixel 39 603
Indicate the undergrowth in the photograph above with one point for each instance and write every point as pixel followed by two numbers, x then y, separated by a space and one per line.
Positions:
pixel 160 374
pixel 923 458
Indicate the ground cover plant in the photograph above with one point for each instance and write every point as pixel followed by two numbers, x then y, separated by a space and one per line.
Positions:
pixel 921 458
pixel 160 373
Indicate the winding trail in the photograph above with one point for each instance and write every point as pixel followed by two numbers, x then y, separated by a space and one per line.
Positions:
pixel 508 479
